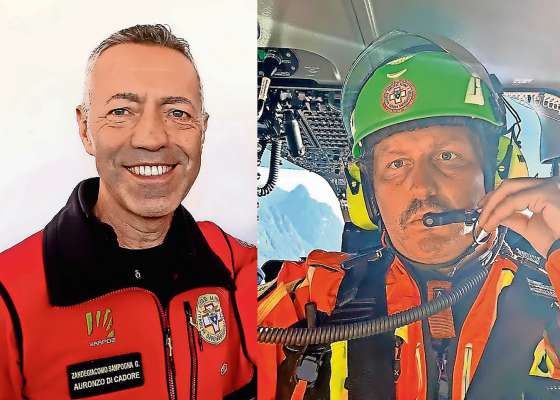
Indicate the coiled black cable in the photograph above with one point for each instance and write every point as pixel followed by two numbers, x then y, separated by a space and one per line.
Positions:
pixel 275 152
pixel 355 330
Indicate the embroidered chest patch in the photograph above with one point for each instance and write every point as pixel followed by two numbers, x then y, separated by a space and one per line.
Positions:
pixel 100 327
pixel 210 319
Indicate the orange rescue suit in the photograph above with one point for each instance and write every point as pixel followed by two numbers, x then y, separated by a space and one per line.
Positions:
pixel 318 280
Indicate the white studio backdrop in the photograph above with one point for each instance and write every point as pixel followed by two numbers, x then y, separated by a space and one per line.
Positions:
pixel 45 45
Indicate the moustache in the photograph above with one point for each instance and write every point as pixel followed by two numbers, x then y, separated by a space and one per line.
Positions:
pixel 431 203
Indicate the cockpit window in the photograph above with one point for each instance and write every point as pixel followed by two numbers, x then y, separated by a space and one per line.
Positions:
pixel 301 214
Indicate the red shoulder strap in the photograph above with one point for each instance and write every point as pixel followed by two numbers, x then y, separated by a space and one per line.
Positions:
pixel 218 242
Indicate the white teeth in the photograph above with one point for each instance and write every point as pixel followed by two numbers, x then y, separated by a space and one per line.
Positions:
pixel 150 170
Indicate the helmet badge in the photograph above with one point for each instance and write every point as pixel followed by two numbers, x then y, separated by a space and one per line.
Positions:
pixel 398 96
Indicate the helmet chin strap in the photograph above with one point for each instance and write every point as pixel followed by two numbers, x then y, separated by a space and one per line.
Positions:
pixel 479 252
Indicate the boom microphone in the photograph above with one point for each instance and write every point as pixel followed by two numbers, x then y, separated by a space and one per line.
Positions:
pixel 468 217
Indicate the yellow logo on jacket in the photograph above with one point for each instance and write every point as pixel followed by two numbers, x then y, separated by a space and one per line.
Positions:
pixel 210 319
pixel 100 327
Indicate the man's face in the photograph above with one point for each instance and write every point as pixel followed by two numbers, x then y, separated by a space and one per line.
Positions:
pixel 431 169
pixel 144 127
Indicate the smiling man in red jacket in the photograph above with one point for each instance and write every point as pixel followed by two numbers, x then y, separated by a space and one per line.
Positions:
pixel 123 295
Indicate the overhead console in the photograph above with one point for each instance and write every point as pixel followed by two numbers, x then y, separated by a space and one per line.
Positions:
pixel 299 115
pixel 302 67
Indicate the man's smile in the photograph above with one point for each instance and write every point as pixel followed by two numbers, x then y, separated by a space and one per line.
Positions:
pixel 150 170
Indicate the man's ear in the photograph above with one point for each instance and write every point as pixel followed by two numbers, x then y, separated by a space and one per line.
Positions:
pixel 81 119
pixel 204 126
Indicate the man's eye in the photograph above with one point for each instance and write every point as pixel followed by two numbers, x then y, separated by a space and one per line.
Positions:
pixel 397 164
pixel 119 112
pixel 447 155
pixel 179 114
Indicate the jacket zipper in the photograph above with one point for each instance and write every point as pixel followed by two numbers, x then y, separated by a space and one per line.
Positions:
pixel 167 345
pixel 170 365
pixel 193 348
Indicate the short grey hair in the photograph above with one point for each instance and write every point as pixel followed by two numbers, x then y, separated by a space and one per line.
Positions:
pixel 158 35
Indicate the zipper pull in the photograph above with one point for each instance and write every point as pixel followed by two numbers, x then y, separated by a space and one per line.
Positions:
pixel 188 312
pixel 168 342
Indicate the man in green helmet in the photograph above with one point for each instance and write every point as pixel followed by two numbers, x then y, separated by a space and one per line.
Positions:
pixel 427 123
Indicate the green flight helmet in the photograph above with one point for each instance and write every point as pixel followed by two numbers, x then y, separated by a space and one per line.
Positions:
pixel 403 77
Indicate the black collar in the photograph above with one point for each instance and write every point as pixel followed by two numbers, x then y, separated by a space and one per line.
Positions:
pixel 78 259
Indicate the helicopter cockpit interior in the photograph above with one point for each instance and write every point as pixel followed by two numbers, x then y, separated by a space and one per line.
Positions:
pixel 305 50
